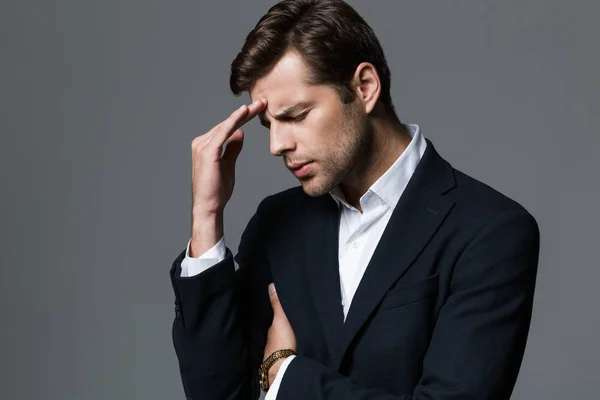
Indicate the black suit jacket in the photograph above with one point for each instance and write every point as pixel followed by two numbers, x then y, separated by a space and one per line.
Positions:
pixel 442 311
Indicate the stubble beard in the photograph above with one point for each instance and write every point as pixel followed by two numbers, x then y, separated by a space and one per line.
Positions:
pixel 350 157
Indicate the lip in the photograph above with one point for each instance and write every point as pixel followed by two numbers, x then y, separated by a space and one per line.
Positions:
pixel 300 169
pixel 298 165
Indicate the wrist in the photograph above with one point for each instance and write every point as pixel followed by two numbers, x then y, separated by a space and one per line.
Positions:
pixel 267 372
pixel 207 230
pixel 275 369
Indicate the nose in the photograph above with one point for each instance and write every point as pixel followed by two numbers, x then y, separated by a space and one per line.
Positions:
pixel 282 139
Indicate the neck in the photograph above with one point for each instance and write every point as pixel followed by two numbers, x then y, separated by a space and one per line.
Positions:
pixel 390 139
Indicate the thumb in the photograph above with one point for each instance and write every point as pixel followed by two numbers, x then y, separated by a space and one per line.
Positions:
pixel 274 298
pixel 233 146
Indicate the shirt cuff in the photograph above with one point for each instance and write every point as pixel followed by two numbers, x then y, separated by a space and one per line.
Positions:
pixel 272 392
pixel 192 266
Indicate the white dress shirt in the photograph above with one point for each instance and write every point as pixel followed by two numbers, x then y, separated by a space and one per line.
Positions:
pixel 359 233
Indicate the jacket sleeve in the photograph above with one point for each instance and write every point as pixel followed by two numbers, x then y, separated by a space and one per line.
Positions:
pixel 221 320
pixel 480 335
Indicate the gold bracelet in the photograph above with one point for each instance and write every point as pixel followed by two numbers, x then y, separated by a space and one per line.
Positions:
pixel 263 371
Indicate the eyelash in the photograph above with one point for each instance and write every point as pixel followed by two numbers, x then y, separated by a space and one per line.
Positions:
pixel 299 118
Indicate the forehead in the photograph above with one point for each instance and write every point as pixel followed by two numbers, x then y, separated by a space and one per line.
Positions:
pixel 286 83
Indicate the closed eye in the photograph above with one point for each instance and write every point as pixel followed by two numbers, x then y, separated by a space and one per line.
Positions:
pixel 293 119
pixel 299 118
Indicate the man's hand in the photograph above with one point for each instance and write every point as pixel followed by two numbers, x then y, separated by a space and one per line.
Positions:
pixel 280 336
pixel 213 175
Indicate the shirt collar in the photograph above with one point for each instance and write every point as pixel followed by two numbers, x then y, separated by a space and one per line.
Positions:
pixel 390 186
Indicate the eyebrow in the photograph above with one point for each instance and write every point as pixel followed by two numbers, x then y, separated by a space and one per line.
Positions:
pixel 284 114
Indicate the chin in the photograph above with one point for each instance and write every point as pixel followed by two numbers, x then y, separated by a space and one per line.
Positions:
pixel 310 192
pixel 315 188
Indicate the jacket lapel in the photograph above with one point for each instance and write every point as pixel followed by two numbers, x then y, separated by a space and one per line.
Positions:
pixel 416 218
pixel 321 250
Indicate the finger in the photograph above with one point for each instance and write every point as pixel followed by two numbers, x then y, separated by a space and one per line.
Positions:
pixel 236 120
pixel 233 146
pixel 253 110
pixel 274 298
pixel 248 112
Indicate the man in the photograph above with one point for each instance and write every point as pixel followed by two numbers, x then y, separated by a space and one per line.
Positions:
pixel 394 275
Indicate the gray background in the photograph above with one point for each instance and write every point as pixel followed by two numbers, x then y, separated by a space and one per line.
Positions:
pixel 99 102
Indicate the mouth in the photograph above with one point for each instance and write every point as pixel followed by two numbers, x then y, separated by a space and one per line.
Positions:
pixel 300 170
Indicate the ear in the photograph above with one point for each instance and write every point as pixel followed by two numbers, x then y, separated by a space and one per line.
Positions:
pixel 368 86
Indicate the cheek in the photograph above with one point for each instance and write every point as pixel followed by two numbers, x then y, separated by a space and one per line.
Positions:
pixel 321 131
pixel 316 141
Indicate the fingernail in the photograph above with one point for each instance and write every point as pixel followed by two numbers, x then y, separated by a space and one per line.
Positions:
pixel 271 288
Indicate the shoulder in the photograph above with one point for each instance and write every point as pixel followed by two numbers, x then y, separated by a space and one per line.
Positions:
pixel 268 220
pixel 480 205
pixel 293 194
pixel 285 198
pixel 287 201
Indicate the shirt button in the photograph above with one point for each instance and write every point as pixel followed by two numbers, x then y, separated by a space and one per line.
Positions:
pixel 355 244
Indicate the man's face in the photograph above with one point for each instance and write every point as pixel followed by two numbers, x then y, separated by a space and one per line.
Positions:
pixel 320 138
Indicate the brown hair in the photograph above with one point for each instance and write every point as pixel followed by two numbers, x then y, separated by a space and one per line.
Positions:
pixel 330 35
